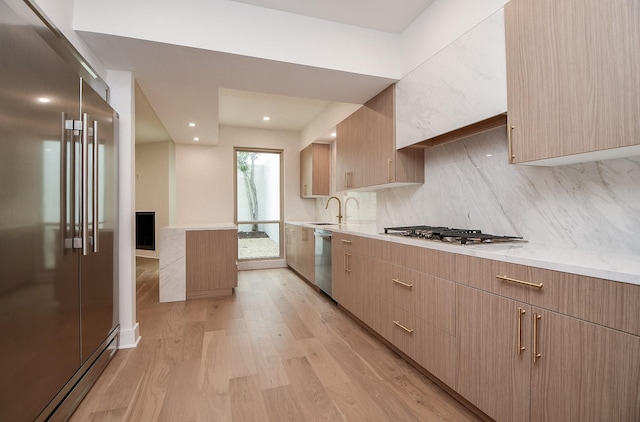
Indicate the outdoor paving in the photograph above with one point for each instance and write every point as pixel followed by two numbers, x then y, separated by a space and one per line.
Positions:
pixel 257 248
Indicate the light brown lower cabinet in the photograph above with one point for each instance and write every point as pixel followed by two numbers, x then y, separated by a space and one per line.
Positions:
pixel 429 346
pixel 211 263
pixel 585 372
pixel 300 250
pixel 560 347
pixel 490 372
pixel 413 311
pixel 291 245
pixel 517 362
pixel 351 281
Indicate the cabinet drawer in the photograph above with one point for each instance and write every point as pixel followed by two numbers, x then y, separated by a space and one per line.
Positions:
pixel 373 248
pixel 436 263
pixel 427 297
pixel 405 331
pixel 430 347
pixel 348 242
pixel 407 256
pixel 605 302
pixel 396 325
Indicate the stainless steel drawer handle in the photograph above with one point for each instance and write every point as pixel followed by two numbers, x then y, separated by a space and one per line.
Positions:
pixel 348 242
pixel 513 280
pixel 395 280
pixel 408 330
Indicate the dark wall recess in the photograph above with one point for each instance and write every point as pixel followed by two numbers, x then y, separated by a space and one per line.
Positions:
pixel 146 230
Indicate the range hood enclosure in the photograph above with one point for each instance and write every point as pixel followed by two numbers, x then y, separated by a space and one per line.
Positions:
pixel 461 88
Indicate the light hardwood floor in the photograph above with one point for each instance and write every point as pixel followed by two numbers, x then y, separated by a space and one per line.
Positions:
pixel 275 351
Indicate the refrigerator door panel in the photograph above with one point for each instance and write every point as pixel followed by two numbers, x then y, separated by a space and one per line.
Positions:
pixel 97 266
pixel 39 289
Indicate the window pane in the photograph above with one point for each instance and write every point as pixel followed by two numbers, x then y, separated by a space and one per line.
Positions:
pixel 258 186
pixel 258 241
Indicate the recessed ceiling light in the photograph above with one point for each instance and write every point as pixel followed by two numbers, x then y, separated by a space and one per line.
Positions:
pixel 489 155
pixel 44 100
pixel 266 118
pixel 192 124
pixel 333 134
pixel 196 139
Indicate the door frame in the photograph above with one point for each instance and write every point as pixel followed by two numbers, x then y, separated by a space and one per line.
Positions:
pixel 280 222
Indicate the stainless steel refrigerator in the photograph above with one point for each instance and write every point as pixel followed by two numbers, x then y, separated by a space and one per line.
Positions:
pixel 58 215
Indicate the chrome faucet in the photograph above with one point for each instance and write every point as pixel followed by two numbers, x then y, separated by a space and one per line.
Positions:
pixel 339 207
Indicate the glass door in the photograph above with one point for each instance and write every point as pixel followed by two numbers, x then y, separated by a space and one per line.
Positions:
pixel 259 210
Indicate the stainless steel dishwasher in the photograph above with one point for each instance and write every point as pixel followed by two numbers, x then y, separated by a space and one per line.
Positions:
pixel 323 260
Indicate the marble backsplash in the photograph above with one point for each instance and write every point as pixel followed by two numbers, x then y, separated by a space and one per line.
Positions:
pixel 469 184
pixel 357 207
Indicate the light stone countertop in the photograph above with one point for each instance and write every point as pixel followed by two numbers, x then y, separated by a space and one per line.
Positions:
pixel 623 266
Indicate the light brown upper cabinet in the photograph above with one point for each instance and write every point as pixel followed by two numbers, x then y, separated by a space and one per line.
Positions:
pixel 314 170
pixel 573 80
pixel 366 155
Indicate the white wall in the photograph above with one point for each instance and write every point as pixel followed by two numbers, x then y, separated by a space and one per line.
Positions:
pixel 234 27
pixel 205 176
pixel 153 162
pixel 123 101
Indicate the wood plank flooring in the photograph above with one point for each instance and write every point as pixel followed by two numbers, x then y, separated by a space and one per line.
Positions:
pixel 275 351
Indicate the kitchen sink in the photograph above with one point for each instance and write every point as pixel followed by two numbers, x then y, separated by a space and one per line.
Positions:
pixel 323 224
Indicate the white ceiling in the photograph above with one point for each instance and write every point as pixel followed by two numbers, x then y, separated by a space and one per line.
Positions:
pixel 178 85
pixel 247 109
pixel 383 15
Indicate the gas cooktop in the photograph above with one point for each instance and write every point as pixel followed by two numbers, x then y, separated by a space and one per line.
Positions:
pixel 447 234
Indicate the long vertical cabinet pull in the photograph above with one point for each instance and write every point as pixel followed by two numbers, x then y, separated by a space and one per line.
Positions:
pixel 521 312
pixel 85 184
pixel 536 355
pixel 96 192
pixel 346 262
pixel 510 142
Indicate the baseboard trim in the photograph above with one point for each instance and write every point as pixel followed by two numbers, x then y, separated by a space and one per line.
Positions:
pixel 263 264
pixel 129 339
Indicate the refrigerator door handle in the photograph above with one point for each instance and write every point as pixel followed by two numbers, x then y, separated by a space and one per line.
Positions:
pixel 95 187
pixel 67 242
pixel 68 195
pixel 85 184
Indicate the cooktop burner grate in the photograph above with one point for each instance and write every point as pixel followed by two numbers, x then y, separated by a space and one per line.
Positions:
pixel 447 234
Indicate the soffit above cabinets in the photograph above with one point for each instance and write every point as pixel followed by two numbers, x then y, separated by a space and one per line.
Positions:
pixel 380 15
